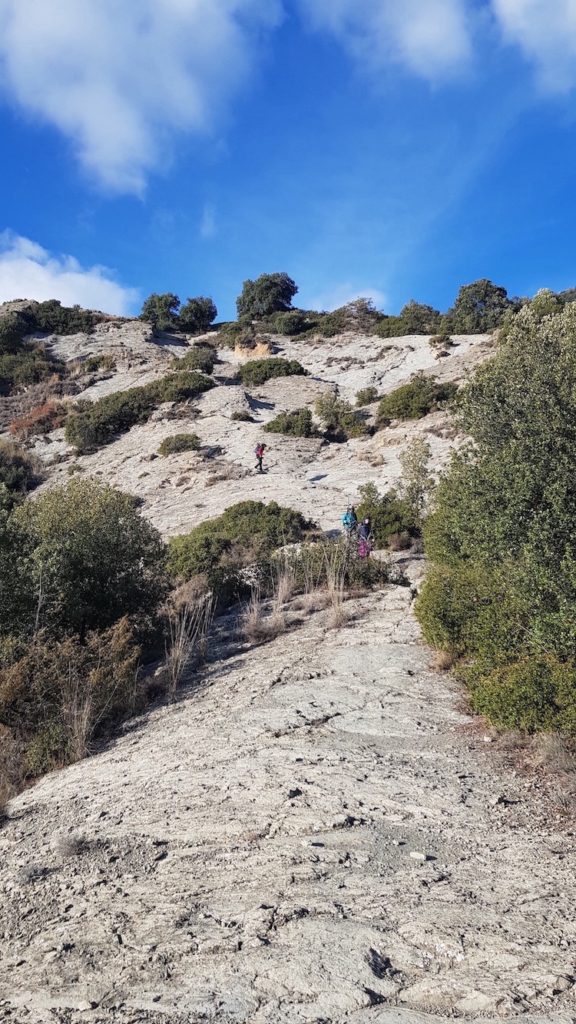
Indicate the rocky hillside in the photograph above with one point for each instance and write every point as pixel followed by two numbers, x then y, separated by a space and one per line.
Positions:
pixel 316 831
pixel 316 478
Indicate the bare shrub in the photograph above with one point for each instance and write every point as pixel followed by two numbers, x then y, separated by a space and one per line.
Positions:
pixel 70 846
pixel 10 767
pixel 188 627
pixel 443 661
pixel 42 419
pixel 553 751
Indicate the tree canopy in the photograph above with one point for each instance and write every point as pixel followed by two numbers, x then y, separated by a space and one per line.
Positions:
pixel 269 293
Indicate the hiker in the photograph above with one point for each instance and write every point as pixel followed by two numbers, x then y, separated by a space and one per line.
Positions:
pixel 259 452
pixel 350 521
pixel 365 538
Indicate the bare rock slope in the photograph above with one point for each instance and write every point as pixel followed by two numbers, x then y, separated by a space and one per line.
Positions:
pixel 316 834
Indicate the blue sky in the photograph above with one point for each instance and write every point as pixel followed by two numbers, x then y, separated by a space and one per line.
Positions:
pixel 366 147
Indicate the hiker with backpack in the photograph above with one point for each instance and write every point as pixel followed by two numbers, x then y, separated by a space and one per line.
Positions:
pixel 365 538
pixel 350 521
pixel 259 453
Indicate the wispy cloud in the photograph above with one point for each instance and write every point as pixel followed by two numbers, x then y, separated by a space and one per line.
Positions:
pixel 27 271
pixel 545 30
pixel 119 78
pixel 429 37
pixel 208 226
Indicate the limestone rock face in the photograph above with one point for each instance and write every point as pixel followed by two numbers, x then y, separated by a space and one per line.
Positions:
pixel 245 855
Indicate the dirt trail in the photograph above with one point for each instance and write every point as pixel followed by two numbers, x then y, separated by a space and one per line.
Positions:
pixel 316 834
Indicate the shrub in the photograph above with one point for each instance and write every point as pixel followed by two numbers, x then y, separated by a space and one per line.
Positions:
pixel 366 396
pixel 243 415
pixel 417 481
pixel 240 536
pixel 295 424
pixel 86 557
pixel 54 318
pixel 258 371
pixel 530 695
pixel 388 513
pixel 62 694
pixel 269 293
pixel 19 473
pixel 28 366
pixel 99 423
pixel 42 419
pixel 340 419
pixel 105 361
pixel 441 341
pixel 416 399
pixel 179 443
pixel 414 318
pixel 291 323
pixel 200 357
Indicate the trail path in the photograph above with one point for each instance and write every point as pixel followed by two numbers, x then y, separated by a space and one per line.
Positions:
pixel 316 834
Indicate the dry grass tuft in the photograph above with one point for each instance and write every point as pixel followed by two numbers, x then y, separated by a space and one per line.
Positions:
pixel 443 661
pixel 188 625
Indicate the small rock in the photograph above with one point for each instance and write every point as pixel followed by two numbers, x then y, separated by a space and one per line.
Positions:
pixel 418 855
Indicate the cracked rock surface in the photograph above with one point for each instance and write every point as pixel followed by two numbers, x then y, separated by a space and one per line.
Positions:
pixel 315 833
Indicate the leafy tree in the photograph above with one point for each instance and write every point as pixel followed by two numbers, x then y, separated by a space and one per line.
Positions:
pixel 269 293
pixel 479 308
pixel 161 311
pixel 196 315
pixel 86 557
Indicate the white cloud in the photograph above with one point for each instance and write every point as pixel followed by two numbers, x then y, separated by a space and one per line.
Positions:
pixel 546 32
pixel 118 77
pixel 27 271
pixel 429 37
pixel 340 295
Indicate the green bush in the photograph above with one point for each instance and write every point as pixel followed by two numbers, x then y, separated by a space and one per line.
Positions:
pixel 95 424
pixel 291 323
pixel 366 396
pixel 244 533
pixel 416 399
pixel 83 557
pixel 340 419
pixel 502 591
pixel 298 423
pixel 200 357
pixel 52 317
pixel 388 513
pixel 258 371
pixel 179 443
pixel 530 695
pixel 243 415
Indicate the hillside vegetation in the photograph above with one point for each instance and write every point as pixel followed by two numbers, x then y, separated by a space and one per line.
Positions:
pixel 501 593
